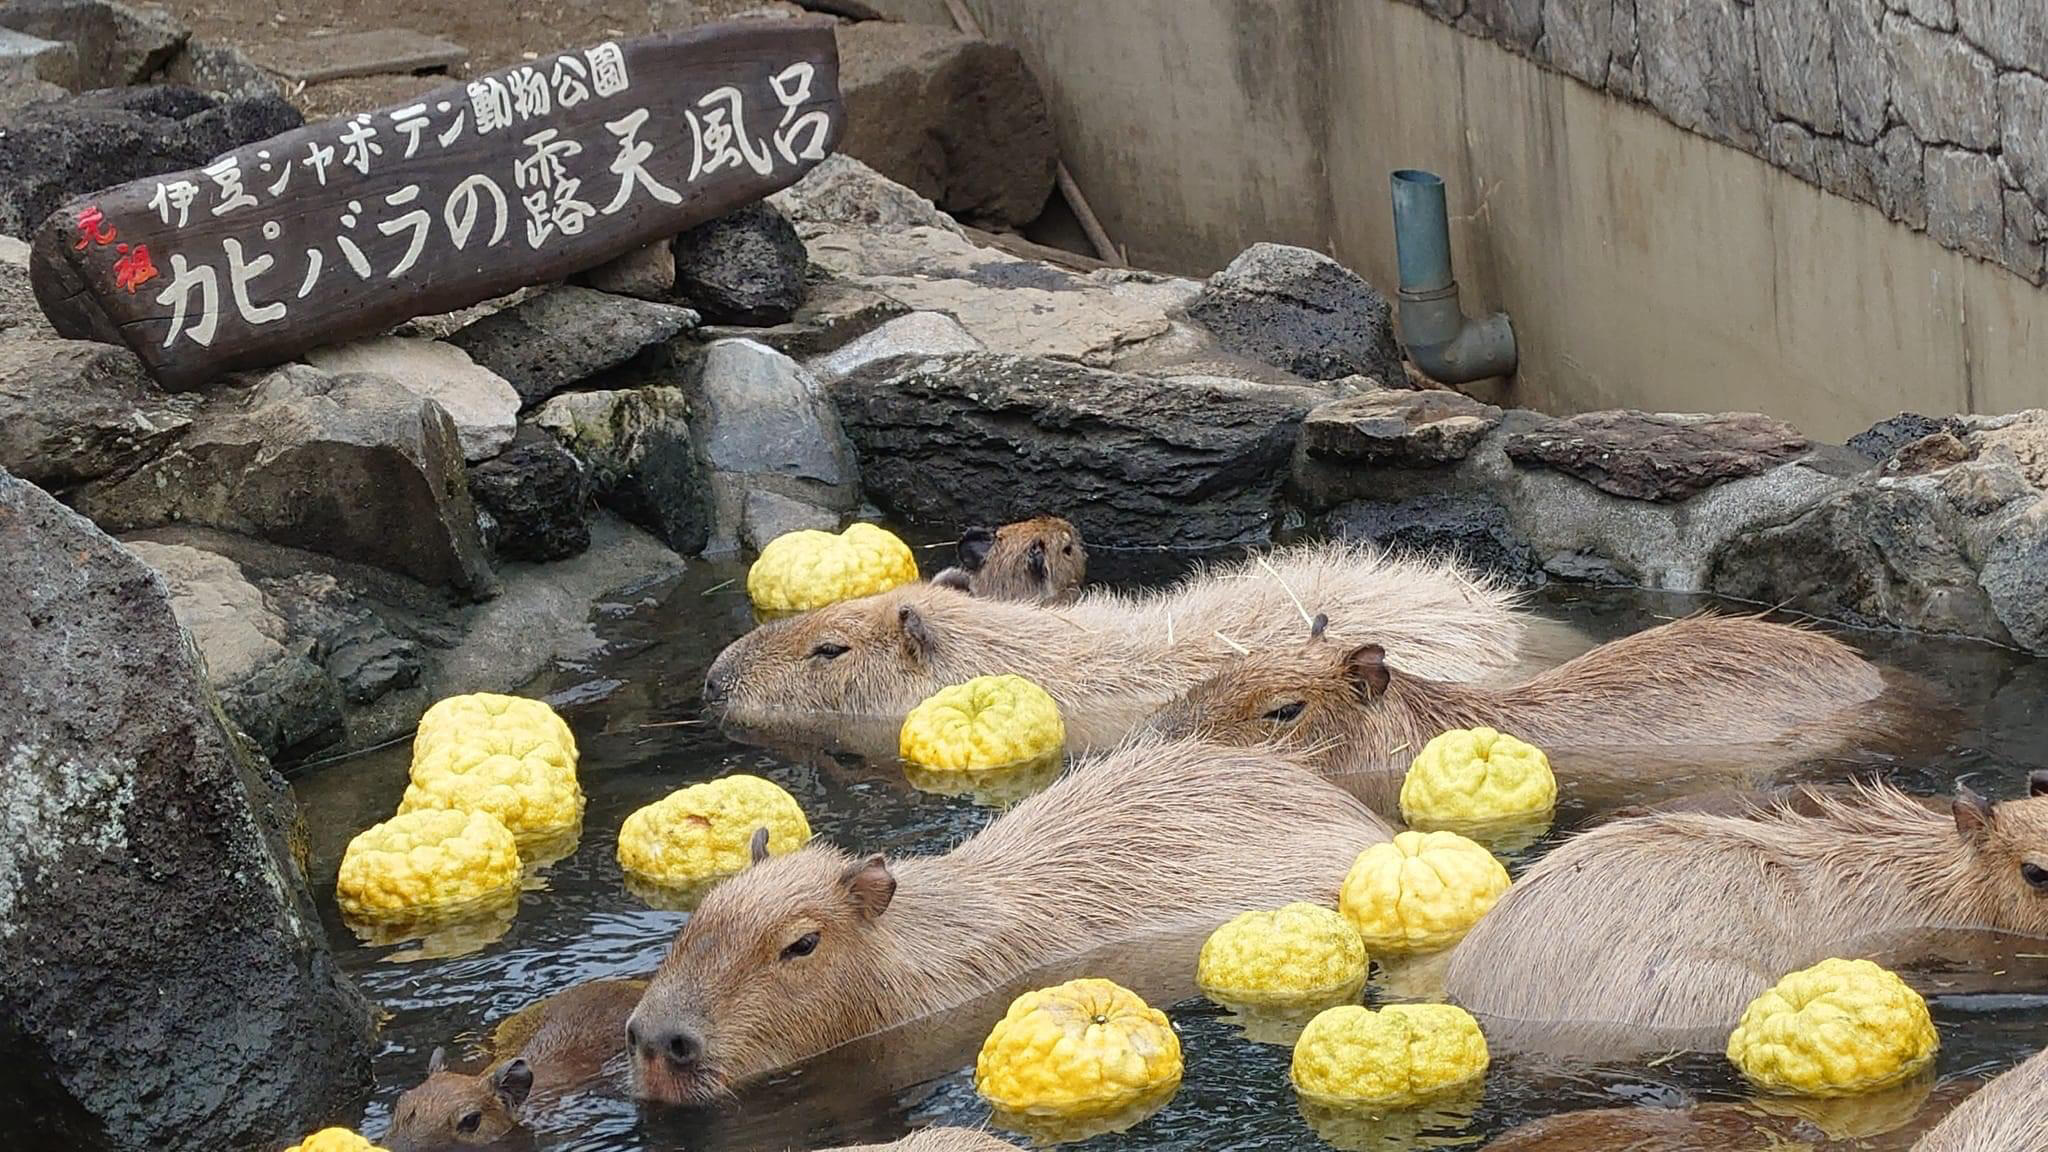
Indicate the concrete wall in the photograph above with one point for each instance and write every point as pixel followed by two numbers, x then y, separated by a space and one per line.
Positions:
pixel 1645 265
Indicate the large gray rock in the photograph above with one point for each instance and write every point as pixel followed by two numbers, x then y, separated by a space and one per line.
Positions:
pixel 562 337
pixel 1578 36
pixel 484 407
pixel 834 312
pixel 163 969
pixel 1470 526
pixel 746 267
pixel 1862 72
pixel 842 192
pixel 113 44
pixel 74 410
pixel 1189 462
pixel 2015 32
pixel 1945 90
pixel 353 466
pixel 1965 208
pixel 1390 426
pixel 960 120
pixel 635 445
pixel 2023 117
pixel 1658 457
pixel 329 627
pixel 648 273
pixel 539 495
pixel 282 700
pixel 1699 66
pixel 918 334
pixel 2015 574
pixel 53 151
pixel 764 423
pixel 1302 311
pixel 1796 61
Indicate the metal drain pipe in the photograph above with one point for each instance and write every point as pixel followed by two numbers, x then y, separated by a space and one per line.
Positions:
pixel 1446 344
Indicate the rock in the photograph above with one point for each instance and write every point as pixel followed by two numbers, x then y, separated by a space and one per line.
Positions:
pixel 834 312
pixel 2018 438
pixel 2025 230
pixel 1465 525
pixel 51 152
pixel 1982 487
pixel 1186 462
pixel 1945 90
pixel 1902 178
pixel 1699 67
pixel 1928 454
pixel 769 514
pixel 1862 67
pixel 559 338
pixel 635 446
pixel 484 407
pixel 1965 210
pixel 282 700
pixel 842 192
pixel 73 410
pixel 537 492
pixel 1302 311
pixel 1399 427
pixel 1796 62
pixel 165 971
pixel 357 650
pixel 764 422
pixel 645 273
pixel 372 52
pixel 1514 22
pixel 960 120
pixel 353 466
pixel 918 334
pixel 2014 33
pixel 1658 457
pixel 1578 37
pixel 1887 436
pixel 2023 119
pixel 746 267
pixel 114 45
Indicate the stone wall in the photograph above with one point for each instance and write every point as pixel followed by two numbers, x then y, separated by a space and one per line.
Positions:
pixel 1934 111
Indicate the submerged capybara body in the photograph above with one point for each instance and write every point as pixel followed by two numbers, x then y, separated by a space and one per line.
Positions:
pixel 939 1140
pixel 538 1054
pixel 807 951
pixel 1109 659
pixel 1704 681
pixel 1037 561
pixel 2009 1115
pixel 1886 1121
pixel 1663 928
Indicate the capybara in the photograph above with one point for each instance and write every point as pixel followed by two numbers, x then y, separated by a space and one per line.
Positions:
pixel 1037 561
pixel 1111 660
pixel 538 1054
pixel 2009 1115
pixel 1663 928
pixel 1887 1121
pixel 806 951
pixel 939 1140
pixel 1699 682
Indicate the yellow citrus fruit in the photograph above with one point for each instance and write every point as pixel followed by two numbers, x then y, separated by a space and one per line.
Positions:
pixel 1280 956
pixel 799 571
pixel 1421 891
pixel 705 830
pixel 1836 1029
pixel 1086 1047
pixel 1397 1057
pixel 987 723
pixel 1476 775
pixel 334 1140
pixel 491 711
pixel 426 860
pixel 523 777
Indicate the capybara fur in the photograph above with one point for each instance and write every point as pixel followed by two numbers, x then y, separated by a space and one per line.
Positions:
pixel 2009 1115
pixel 1110 659
pixel 1665 927
pixel 538 1054
pixel 806 951
pixel 939 1140
pixel 1887 1121
pixel 1037 561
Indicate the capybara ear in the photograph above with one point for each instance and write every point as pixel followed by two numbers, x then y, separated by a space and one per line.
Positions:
pixel 437 1061
pixel 757 848
pixel 917 637
pixel 2037 782
pixel 871 885
pixel 1366 666
pixel 1972 812
pixel 1318 626
pixel 1034 557
pixel 512 1082
pixel 954 578
pixel 974 547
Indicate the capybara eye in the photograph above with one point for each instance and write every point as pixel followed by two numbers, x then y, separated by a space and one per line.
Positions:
pixel 469 1124
pixel 829 651
pixel 1286 713
pixel 2036 875
pixel 803 945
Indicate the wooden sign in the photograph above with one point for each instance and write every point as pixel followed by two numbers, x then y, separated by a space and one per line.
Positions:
pixel 519 177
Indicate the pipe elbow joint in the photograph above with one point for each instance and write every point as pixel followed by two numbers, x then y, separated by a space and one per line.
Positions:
pixel 1446 344
pixel 1477 349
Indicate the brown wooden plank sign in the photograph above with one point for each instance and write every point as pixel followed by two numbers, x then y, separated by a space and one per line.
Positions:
pixel 519 177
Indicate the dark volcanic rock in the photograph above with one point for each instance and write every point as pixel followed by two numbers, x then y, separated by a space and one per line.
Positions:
pixel 538 493
pixel 53 151
pixel 1468 526
pixel 1885 437
pixel 559 338
pixel 326 625
pixel 74 410
pixel 1302 311
pixel 113 44
pixel 1189 462
pixel 746 267
pixel 635 445
pixel 164 970
pixel 1642 456
pixel 1388 426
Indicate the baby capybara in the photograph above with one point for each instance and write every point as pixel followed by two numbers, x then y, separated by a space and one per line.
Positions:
pixel 2009 1115
pixel 1675 922
pixel 539 1054
pixel 1111 660
pixel 809 950
pixel 1037 561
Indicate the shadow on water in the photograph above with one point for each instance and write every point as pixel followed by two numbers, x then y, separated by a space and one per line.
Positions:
pixel 634 707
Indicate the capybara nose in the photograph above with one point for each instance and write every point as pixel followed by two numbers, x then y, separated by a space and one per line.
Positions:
pixel 718 684
pixel 679 1046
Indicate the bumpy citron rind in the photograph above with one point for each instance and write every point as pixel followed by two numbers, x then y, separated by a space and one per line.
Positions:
pixel 1476 775
pixel 988 723
pixel 807 569
pixel 425 861
pixel 334 1140
pixel 1839 1028
pixel 1277 957
pixel 704 831
pixel 526 779
pixel 494 712
pixel 1080 1049
pixel 1421 891
pixel 1397 1057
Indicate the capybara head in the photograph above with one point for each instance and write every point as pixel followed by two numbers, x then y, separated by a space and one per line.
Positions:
pixel 2009 853
pixel 460 1110
pixel 1308 698
pixel 869 656
pixel 1037 561
pixel 779 963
